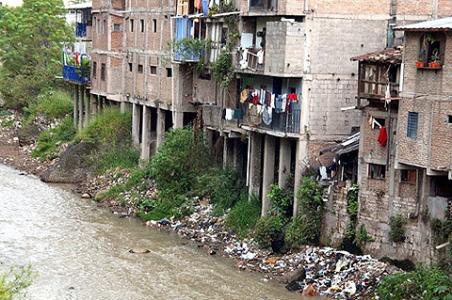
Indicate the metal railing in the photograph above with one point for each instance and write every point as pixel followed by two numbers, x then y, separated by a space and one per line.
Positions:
pixel 75 74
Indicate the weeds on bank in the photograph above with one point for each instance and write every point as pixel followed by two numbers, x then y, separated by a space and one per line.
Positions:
pixel 52 105
pixel 14 282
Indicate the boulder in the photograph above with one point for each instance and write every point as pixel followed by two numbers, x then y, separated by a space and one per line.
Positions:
pixel 73 166
pixel 295 279
pixel 28 134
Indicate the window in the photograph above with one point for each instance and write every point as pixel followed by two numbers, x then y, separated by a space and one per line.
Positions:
pixel 449 119
pixel 381 121
pixel 432 47
pixel 411 130
pixel 377 171
pixel 153 70
pixel 94 70
pixel 142 25
pixel 130 67
pixel 131 25
pixel 140 69
pixel 102 72
pixel 117 27
pixel 154 25
pixel 408 176
pixel 104 26
pixel 169 72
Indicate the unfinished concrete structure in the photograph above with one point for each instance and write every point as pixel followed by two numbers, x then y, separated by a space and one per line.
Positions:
pixel 76 64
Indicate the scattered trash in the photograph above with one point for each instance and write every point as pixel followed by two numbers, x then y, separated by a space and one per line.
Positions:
pixel 139 251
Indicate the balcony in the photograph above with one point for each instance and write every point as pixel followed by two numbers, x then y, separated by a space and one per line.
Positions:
pixel 250 60
pixel 185 47
pixel 75 74
pixel 81 30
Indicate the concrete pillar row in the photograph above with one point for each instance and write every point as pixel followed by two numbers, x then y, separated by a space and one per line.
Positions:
pixel 75 105
pixel 93 105
pixel 268 172
pixel 254 164
pixel 136 125
pixel 81 101
pixel 178 119
pixel 146 134
pixel 284 162
pixel 87 107
pixel 300 167
pixel 161 121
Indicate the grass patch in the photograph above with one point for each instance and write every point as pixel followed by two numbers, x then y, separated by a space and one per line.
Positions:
pixel 49 140
pixel 53 104
pixel 14 282
pixel 423 283
pixel 243 216
pixel 122 156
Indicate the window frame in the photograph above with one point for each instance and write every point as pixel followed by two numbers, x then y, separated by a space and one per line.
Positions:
pixel 412 120
pixel 408 176
pixel 103 72
pixel 94 69
pixel 131 25
pixel 142 25
pixel 151 68
pixel 140 69
pixel 376 168
pixel 115 29
pixel 169 72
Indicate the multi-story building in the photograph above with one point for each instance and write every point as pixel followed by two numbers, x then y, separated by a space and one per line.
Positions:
pixel 268 79
pixel 405 154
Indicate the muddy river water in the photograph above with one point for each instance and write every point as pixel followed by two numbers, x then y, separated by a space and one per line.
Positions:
pixel 78 251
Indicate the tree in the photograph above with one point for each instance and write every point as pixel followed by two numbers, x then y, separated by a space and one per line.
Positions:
pixel 31 39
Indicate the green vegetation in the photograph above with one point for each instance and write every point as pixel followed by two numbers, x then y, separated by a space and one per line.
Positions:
pixel 14 282
pixel 311 210
pixel 49 140
pixel 362 236
pixel 423 283
pixel 268 230
pixel 281 201
pixel 397 228
pixel 52 104
pixel 294 236
pixel 122 156
pixel 243 216
pixel 31 36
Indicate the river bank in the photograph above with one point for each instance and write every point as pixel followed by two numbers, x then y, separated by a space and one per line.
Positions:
pixel 324 271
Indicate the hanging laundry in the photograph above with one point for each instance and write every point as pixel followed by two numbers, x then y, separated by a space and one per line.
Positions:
pixel 272 101
pixel 262 97
pixel 383 137
pixel 253 116
pixel 244 61
pixel 284 102
pixel 260 57
pixel 198 5
pixel 255 99
pixel 267 115
pixel 268 98
pixel 229 114
pixel 279 104
pixel 244 95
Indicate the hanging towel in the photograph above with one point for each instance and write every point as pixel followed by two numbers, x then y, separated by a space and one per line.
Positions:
pixel 267 115
pixel 272 101
pixel 229 114
pixel 383 137
pixel 244 95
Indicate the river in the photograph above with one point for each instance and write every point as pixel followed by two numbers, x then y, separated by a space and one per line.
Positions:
pixel 79 251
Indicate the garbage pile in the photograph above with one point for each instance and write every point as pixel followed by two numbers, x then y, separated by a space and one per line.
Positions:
pixel 322 271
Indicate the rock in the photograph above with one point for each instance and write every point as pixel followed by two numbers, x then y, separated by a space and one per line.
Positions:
pixel 27 135
pixel 139 251
pixel 164 222
pixel 86 196
pixel 310 291
pixel 73 165
pixel 101 195
pixel 295 280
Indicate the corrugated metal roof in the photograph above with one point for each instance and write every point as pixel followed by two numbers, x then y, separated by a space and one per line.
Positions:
pixel 388 55
pixel 443 24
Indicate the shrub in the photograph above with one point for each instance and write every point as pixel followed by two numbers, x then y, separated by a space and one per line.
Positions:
pixel 49 140
pixel 243 216
pixel 309 196
pixel 281 202
pixel 14 282
pixel 397 228
pixel 110 127
pixel 224 187
pixel 53 104
pixel 268 229
pixel 122 156
pixel 362 236
pixel 294 237
pixel 423 283
pixel 178 163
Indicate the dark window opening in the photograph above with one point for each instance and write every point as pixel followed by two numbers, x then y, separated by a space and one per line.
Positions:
pixel 94 70
pixel 142 25
pixel 205 75
pixel 449 119
pixel 441 186
pixel 102 72
pixel 408 176
pixel 432 47
pixel 140 68
pixel 381 121
pixel 130 67
pixel 169 72
pixel 377 171
pixel 154 25
pixel 117 27
pixel 131 25
pixel 413 120
pixel 392 74
pixel 153 70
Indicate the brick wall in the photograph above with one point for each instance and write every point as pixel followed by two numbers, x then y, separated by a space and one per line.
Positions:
pixel 350 6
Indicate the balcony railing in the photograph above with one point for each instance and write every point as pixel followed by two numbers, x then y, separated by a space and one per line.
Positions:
pixel 285 122
pixel 248 60
pixel 74 74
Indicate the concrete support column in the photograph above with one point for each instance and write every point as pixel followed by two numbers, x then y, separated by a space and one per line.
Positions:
pixel 228 152
pixel 178 119
pixel 136 125
pixel 161 121
pixel 122 107
pixel 75 107
pixel 87 107
pixel 93 105
pixel 81 99
pixel 99 103
pixel 284 162
pixel 300 166
pixel 209 138
pixel 146 134
pixel 254 164
pixel 268 172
